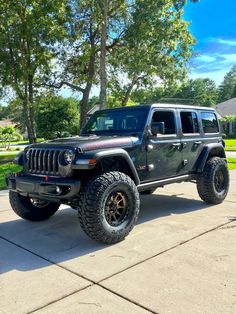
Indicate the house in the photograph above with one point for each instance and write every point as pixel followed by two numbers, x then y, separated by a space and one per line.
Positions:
pixel 6 122
pixel 228 108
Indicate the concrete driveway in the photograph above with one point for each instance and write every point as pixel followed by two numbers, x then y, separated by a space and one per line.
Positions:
pixel 231 154
pixel 180 258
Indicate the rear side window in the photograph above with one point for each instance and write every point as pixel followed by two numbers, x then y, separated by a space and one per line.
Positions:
pixel 209 122
pixel 189 122
pixel 168 118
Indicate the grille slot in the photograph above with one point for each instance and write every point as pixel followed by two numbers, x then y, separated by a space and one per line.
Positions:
pixel 43 161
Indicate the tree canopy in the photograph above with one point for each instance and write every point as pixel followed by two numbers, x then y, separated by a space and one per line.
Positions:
pixel 118 45
pixel 227 89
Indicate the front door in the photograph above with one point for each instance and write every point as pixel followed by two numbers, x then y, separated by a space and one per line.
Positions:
pixel 164 150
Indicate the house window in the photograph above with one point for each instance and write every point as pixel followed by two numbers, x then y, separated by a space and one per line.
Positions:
pixel 168 118
pixel 209 122
pixel 189 122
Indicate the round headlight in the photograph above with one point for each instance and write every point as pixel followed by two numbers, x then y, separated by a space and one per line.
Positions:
pixel 68 156
pixel 27 154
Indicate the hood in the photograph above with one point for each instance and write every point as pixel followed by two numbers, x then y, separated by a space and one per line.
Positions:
pixel 89 143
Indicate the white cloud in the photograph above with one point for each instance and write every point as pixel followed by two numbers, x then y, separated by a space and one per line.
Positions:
pixel 229 42
pixel 206 58
pixel 229 58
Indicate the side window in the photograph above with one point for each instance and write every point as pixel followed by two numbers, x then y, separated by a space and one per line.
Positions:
pixel 189 122
pixel 168 118
pixel 209 122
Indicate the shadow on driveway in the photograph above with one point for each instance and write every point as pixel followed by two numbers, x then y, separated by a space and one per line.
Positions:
pixel 60 238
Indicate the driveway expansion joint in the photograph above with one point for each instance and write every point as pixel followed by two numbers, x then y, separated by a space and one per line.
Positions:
pixel 57 300
pixel 46 259
pixel 165 251
pixel 99 283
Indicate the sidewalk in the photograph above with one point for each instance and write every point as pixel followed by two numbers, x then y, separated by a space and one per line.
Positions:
pixel 180 258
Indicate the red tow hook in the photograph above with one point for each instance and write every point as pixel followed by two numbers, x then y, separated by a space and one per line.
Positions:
pixel 46 178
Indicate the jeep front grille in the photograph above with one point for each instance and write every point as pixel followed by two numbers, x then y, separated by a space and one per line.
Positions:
pixel 43 161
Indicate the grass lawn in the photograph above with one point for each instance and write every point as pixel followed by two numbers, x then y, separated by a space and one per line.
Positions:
pixel 7 156
pixel 26 142
pixel 231 163
pixel 230 144
pixel 5 169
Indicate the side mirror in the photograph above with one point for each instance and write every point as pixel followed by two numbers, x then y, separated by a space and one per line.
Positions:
pixel 157 128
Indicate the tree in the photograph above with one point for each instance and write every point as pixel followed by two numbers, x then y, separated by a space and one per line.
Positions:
pixel 104 6
pixel 83 58
pixel 56 116
pixel 4 112
pixel 8 134
pixel 201 91
pixel 157 46
pixel 227 89
pixel 28 32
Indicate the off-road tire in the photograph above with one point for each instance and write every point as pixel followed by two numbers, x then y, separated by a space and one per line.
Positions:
pixel 206 182
pixel 24 208
pixel 93 199
pixel 148 192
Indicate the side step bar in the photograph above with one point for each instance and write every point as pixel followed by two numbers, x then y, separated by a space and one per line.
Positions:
pixel 156 184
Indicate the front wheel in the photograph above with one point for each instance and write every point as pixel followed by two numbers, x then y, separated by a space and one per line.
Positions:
pixel 110 207
pixel 30 208
pixel 213 182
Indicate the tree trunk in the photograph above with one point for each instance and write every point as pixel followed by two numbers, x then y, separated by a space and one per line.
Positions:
pixel 103 73
pixel 86 93
pixel 26 113
pixel 31 109
pixel 128 91
pixel 84 107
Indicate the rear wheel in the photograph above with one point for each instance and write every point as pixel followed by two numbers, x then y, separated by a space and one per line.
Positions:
pixel 109 207
pixel 31 208
pixel 213 183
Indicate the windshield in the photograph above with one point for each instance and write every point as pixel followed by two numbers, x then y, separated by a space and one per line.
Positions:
pixel 117 121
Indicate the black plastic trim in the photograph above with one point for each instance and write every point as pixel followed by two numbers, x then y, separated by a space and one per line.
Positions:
pixel 37 187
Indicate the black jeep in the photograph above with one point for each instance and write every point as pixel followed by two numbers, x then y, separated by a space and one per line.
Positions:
pixel 121 153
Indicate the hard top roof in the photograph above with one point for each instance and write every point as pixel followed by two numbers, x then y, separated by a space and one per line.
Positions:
pixel 160 105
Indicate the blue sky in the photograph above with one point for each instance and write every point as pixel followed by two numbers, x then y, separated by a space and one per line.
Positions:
pixel 213 24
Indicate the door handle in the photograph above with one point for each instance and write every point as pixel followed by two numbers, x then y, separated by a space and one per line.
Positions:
pixel 176 145
pixel 197 143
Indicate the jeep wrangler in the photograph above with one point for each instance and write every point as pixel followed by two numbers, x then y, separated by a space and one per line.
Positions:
pixel 119 154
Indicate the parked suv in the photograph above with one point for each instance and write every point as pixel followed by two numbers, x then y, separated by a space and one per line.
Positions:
pixel 121 153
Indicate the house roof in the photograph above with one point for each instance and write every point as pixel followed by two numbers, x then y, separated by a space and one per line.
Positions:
pixel 227 108
pixel 6 122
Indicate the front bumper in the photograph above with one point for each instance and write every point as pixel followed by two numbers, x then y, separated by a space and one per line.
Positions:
pixel 54 189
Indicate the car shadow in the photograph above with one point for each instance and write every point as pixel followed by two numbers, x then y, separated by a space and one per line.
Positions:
pixel 60 238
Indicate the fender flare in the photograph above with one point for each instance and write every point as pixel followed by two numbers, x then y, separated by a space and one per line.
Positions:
pixel 214 149
pixel 81 163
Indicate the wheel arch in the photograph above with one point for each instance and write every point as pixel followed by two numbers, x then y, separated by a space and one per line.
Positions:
pixel 209 151
pixel 122 159
pixel 108 160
